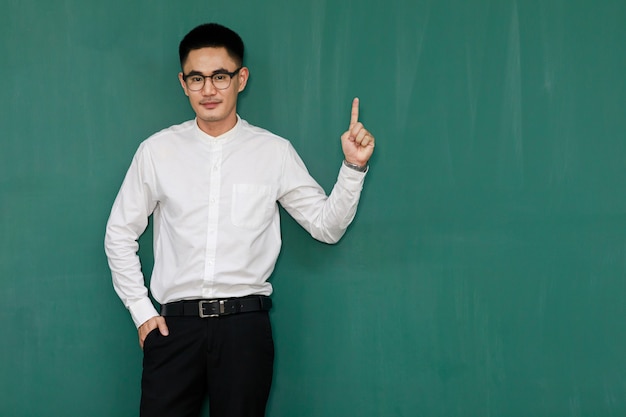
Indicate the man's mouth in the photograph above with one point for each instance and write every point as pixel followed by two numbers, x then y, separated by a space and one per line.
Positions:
pixel 209 104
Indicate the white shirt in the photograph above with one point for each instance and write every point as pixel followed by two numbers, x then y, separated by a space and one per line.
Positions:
pixel 215 213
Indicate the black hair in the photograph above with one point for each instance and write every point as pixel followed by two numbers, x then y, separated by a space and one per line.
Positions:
pixel 212 35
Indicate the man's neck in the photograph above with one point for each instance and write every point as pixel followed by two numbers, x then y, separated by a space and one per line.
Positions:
pixel 217 128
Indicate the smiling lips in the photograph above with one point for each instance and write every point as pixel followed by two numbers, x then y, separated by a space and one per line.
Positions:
pixel 209 104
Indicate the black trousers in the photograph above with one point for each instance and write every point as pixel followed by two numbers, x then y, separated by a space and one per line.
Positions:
pixel 230 359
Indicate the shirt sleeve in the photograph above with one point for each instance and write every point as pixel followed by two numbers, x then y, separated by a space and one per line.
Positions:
pixel 128 220
pixel 326 218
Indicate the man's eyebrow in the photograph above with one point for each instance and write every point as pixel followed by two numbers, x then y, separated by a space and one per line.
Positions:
pixel 217 71
pixel 221 71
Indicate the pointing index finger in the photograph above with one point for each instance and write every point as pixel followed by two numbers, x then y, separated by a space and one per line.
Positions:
pixel 354 116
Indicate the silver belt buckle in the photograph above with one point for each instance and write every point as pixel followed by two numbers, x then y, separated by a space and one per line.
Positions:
pixel 201 308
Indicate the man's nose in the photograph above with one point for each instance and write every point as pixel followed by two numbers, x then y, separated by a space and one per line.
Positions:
pixel 208 88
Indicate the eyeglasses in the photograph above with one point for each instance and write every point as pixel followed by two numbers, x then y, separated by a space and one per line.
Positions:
pixel 221 80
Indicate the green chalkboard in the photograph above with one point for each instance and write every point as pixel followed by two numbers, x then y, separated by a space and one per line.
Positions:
pixel 484 274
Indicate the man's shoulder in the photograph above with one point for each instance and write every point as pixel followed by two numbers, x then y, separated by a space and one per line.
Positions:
pixel 167 138
pixel 181 129
pixel 261 133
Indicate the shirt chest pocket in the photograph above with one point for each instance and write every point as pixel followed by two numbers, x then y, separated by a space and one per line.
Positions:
pixel 252 205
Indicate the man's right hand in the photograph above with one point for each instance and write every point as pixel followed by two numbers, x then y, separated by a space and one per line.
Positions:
pixel 151 324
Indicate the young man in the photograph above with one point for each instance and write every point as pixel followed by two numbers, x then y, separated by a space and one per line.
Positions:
pixel 212 185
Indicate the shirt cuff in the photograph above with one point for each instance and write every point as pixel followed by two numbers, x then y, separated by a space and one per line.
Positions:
pixel 351 178
pixel 142 311
pixel 360 168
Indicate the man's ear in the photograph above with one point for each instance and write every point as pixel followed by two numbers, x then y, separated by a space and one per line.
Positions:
pixel 243 74
pixel 182 83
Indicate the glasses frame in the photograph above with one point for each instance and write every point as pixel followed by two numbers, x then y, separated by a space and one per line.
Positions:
pixel 216 73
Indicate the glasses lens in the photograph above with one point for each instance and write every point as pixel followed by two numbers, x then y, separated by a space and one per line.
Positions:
pixel 195 82
pixel 221 81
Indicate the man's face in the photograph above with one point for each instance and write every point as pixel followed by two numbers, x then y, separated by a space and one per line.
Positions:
pixel 216 110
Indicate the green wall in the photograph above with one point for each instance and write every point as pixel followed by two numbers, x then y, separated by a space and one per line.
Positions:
pixel 484 274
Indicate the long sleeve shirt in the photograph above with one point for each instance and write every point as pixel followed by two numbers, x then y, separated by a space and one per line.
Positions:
pixel 216 225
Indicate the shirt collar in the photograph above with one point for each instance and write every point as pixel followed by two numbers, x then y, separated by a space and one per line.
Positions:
pixel 224 137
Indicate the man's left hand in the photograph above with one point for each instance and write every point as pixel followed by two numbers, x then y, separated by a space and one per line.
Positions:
pixel 357 142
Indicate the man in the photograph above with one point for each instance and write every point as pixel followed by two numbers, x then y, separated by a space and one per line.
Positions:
pixel 212 185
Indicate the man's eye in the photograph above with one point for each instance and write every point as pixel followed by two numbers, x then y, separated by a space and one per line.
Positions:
pixel 195 79
pixel 220 77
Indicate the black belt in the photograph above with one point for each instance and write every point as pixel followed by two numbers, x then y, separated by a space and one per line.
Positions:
pixel 217 307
